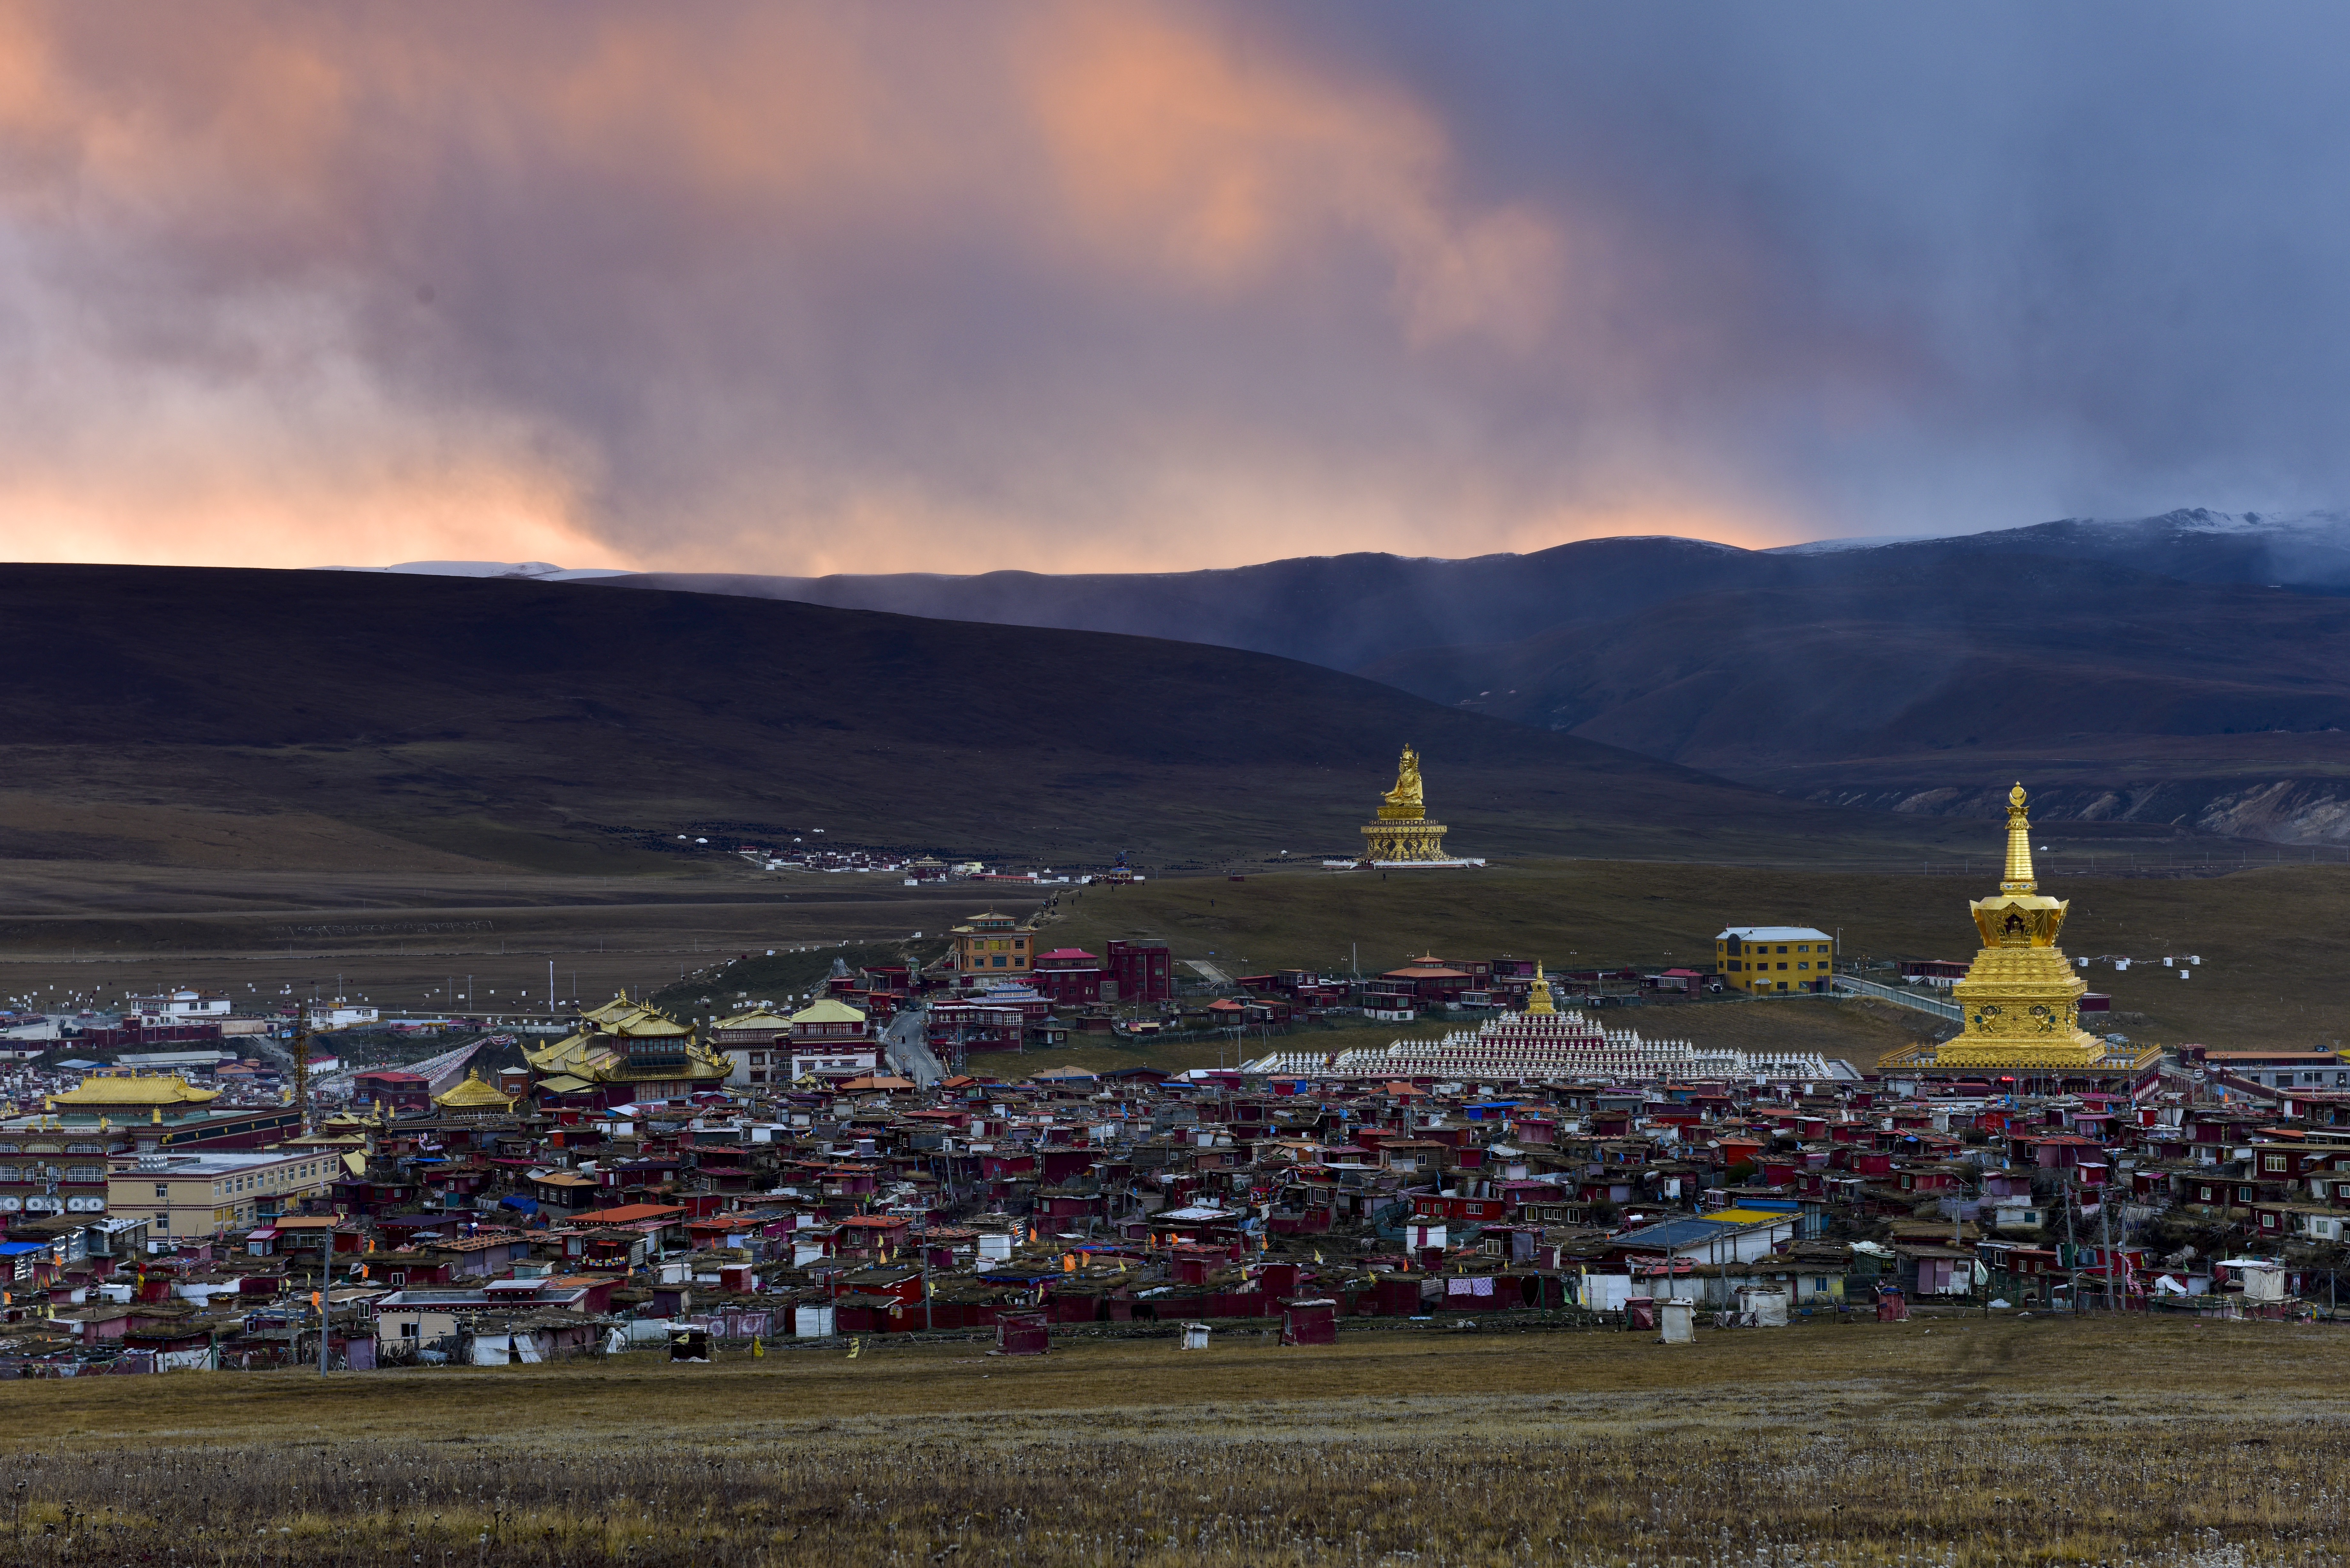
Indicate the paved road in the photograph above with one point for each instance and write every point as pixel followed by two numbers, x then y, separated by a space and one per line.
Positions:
pixel 907 1049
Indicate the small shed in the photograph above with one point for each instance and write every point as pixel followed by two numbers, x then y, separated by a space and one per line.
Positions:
pixel 1675 1320
pixel 1311 1320
pixel 1022 1334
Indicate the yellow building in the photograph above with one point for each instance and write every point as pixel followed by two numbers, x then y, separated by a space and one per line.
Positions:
pixel 1774 959
pixel 631 1052
pixel 204 1194
pixel 114 1095
pixel 474 1098
pixel 993 946
pixel 2020 998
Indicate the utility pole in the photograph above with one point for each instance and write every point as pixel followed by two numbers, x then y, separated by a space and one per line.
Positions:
pixel 2071 1257
pixel 2106 1244
pixel 326 1299
pixel 302 1075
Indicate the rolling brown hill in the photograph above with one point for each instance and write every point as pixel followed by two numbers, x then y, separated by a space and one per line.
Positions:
pixel 1925 684
pixel 351 721
pixel 2147 670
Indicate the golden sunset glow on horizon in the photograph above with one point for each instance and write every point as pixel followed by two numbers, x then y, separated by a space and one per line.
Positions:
pixel 1058 286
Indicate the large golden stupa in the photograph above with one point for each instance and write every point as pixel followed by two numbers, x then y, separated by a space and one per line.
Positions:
pixel 2021 998
pixel 1403 835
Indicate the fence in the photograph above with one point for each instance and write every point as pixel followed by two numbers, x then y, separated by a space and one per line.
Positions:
pixel 1901 996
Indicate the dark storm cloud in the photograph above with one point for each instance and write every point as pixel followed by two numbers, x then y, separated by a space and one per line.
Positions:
pixel 1124 284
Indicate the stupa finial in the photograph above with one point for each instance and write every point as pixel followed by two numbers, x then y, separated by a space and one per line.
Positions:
pixel 2019 878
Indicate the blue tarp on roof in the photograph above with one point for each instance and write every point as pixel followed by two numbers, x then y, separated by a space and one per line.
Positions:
pixel 18 1249
pixel 516 1200
pixel 1677 1233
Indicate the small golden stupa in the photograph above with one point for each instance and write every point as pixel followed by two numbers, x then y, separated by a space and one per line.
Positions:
pixel 2021 997
pixel 1403 835
pixel 1538 997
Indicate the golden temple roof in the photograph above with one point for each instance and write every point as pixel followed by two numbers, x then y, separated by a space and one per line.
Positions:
pixel 649 1026
pixel 828 1010
pixel 133 1090
pixel 473 1094
pixel 757 1018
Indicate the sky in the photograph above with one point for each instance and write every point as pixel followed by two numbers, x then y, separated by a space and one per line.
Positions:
pixel 1111 284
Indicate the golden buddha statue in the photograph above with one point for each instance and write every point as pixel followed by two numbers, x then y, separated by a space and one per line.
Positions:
pixel 1404 802
pixel 1403 835
pixel 2021 997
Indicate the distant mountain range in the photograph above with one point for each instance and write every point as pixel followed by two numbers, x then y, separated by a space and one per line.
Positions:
pixel 2188 669
pixel 348 720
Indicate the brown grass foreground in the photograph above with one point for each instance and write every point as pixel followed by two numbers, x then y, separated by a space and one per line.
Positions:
pixel 2010 1441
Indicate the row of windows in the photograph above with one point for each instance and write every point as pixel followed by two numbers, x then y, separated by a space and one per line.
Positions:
pixel 1765 947
pixel 1800 963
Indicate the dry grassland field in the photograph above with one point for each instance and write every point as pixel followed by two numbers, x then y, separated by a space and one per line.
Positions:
pixel 2263 932
pixel 1957 1442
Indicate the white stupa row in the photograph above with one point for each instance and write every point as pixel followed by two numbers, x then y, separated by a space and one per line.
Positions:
pixel 1534 1046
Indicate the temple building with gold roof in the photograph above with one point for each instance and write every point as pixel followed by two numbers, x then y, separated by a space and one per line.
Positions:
pixel 629 1052
pixel 2020 998
pixel 473 1097
pixel 116 1094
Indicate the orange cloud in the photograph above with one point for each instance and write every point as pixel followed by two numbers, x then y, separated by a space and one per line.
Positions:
pixel 687 286
pixel 1173 152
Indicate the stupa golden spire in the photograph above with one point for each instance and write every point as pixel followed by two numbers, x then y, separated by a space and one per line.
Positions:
pixel 1538 995
pixel 2021 996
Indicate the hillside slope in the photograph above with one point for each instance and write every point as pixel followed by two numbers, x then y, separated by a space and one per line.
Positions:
pixel 1922 683
pixel 339 718
pixel 1353 611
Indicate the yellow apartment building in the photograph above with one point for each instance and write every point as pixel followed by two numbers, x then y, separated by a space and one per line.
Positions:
pixel 1774 959
pixel 993 946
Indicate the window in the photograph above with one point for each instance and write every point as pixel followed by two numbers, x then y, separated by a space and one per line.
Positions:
pixel 1803 947
pixel 2271 1162
pixel 2207 1195
pixel 164 1192
pixel 1805 963
pixel 1782 949
pixel 1735 965
pixel 2244 1195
